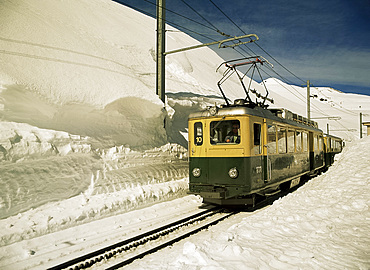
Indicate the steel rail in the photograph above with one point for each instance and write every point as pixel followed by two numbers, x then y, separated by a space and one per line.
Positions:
pixel 170 241
pixel 126 247
pixel 105 253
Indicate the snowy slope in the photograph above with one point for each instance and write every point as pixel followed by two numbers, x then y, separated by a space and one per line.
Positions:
pixel 94 52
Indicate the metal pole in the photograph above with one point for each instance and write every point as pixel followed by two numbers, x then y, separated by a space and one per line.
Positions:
pixel 161 35
pixel 220 44
pixel 308 100
pixel 327 128
pixel 360 125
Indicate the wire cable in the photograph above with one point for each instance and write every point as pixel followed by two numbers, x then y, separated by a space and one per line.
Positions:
pixel 315 108
pixel 168 21
pixel 302 98
pixel 255 42
pixel 182 16
pixel 211 24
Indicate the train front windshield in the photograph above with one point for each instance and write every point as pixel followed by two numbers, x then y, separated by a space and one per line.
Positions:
pixel 225 132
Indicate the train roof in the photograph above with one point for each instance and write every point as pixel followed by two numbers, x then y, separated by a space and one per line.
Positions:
pixel 332 136
pixel 275 114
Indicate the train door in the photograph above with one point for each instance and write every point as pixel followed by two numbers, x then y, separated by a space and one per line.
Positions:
pixel 270 149
pixel 198 163
pixel 311 150
pixel 257 161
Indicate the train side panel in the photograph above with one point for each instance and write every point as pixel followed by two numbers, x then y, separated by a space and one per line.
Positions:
pixel 332 146
pixel 233 157
pixel 287 154
pixel 316 151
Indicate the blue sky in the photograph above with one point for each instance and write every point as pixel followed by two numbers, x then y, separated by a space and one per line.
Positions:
pixel 326 42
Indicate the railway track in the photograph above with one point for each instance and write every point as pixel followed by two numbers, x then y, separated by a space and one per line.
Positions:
pixel 124 252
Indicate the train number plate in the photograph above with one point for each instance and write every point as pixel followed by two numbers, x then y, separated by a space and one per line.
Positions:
pixel 212 195
pixel 294 182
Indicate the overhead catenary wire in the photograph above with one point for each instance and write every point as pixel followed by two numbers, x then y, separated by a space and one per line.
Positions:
pixel 239 50
pixel 171 22
pixel 185 17
pixel 315 108
pixel 222 33
pixel 255 42
pixel 293 93
pixel 217 29
pixel 211 24
pixel 300 96
pixel 339 109
pixel 204 35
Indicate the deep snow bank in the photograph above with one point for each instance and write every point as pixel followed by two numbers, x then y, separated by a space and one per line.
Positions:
pixel 49 194
pixel 40 165
pixel 88 68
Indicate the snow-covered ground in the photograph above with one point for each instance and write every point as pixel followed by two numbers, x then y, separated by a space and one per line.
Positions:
pixel 325 224
pixel 322 225
pixel 83 137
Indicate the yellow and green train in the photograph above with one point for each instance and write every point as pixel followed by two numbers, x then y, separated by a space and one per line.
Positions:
pixel 332 145
pixel 238 152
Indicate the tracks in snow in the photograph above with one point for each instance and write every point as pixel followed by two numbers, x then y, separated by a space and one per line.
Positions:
pixel 124 252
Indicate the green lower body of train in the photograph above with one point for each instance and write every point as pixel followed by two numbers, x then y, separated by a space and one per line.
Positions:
pixel 329 158
pixel 250 176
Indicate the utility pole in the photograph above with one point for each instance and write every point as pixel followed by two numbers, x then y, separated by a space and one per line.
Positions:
pixel 360 125
pixel 161 41
pixel 308 101
pixel 161 47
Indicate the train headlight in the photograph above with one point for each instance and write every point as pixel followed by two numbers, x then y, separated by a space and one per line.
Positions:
pixel 233 173
pixel 196 172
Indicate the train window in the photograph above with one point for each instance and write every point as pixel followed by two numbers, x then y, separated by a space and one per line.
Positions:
pixel 225 132
pixel 281 140
pixel 337 146
pixel 198 133
pixel 291 141
pixel 305 141
pixel 256 139
pixel 321 145
pixel 333 146
pixel 271 139
pixel 315 144
pixel 298 141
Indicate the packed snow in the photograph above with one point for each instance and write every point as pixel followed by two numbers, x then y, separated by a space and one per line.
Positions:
pixel 323 225
pixel 84 140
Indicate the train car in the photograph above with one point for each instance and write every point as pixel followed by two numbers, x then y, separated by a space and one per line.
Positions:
pixel 239 151
pixel 332 146
pixel 242 150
